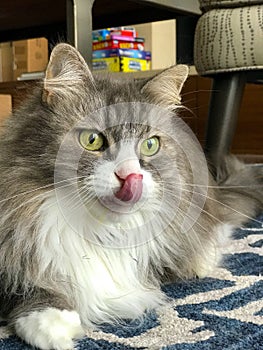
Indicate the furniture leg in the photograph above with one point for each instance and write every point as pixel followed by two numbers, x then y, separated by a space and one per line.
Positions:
pixel 79 26
pixel 225 101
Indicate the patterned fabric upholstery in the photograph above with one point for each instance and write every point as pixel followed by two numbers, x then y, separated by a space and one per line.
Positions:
pixel 206 5
pixel 229 39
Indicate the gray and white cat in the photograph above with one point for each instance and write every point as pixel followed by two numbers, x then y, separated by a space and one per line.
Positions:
pixel 105 195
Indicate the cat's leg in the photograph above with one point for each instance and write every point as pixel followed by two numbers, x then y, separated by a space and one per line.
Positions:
pixel 49 328
pixel 47 322
pixel 210 256
pixel 204 264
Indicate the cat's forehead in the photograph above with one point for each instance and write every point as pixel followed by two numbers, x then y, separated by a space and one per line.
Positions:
pixel 118 110
pixel 117 91
pixel 127 130
pixel 124 118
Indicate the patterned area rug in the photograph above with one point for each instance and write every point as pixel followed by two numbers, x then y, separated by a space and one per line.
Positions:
pixel 223 311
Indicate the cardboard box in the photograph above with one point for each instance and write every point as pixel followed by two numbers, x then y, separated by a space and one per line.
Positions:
pixel 160 39
pixel 5 106
pixel 6 62
pixel 30 56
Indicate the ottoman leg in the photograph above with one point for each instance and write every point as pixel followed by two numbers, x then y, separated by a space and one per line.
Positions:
pixel 225 101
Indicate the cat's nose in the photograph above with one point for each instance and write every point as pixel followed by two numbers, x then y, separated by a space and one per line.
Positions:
pixel 127 167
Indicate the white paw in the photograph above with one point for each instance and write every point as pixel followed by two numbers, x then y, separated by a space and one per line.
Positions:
pixel 204 265
pixel 50 329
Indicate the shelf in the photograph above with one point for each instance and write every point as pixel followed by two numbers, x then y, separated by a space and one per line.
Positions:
pixel 21 19
pixel 73 20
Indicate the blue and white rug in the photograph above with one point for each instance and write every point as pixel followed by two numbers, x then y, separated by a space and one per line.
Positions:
pixel 223 311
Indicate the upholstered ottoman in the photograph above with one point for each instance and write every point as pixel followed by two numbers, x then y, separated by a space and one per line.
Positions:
pixel 229 48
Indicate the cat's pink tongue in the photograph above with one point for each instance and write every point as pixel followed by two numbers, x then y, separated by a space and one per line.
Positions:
pixel 131 189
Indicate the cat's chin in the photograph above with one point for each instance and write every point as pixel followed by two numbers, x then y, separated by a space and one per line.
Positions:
pixel 111 210
pixel 118 206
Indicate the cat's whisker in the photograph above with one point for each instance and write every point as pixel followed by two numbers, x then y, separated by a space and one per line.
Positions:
pixel 194 231
pixel 197 91
pixel 78 196
pixel 202 210
pixel 16 208
pixel 59 202
pixel 188 201
pixel 83 200
pixel 73 194
pixel 214 200
pixel 219 186
pixel 227 206
pixel 42 196
pixel 88 197
pixel 40 188
pixel 210 186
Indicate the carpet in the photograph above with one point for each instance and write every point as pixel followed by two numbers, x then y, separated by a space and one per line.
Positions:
pixel 222 311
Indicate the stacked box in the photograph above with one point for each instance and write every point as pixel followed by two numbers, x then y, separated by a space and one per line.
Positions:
pixel 5 106
pixel 121 64
pixel 23 56
pixel 118 44
pixel 30 56
pixel 119 50
pixel 6 62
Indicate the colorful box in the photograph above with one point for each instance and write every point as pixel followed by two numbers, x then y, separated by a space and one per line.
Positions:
pixel 122 52
pixel 100 35
pixel 121 64
pixel 106 34
pixel 124 32
pixel 119 50
pixel 126 38
pixel 118 44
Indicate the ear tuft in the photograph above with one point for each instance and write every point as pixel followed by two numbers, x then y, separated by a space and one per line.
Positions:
pixel 66 70
pixel 164 89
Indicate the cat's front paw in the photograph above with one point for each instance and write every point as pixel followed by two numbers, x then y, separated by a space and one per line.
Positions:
pixel 50 329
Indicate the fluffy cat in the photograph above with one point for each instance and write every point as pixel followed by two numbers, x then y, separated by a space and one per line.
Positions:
pixel 105 195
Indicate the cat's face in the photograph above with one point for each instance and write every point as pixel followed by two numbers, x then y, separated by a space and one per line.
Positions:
pixel 123 147
pixel 121 161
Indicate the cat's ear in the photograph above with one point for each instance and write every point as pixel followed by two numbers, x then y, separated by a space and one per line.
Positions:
pixel 66 72
pixel 165 88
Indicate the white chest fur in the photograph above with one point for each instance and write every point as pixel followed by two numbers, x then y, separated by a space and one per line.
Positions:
pixel 104 284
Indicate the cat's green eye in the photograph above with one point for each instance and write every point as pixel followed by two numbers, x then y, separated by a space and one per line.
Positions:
pixel 91 140
pixel 150 146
